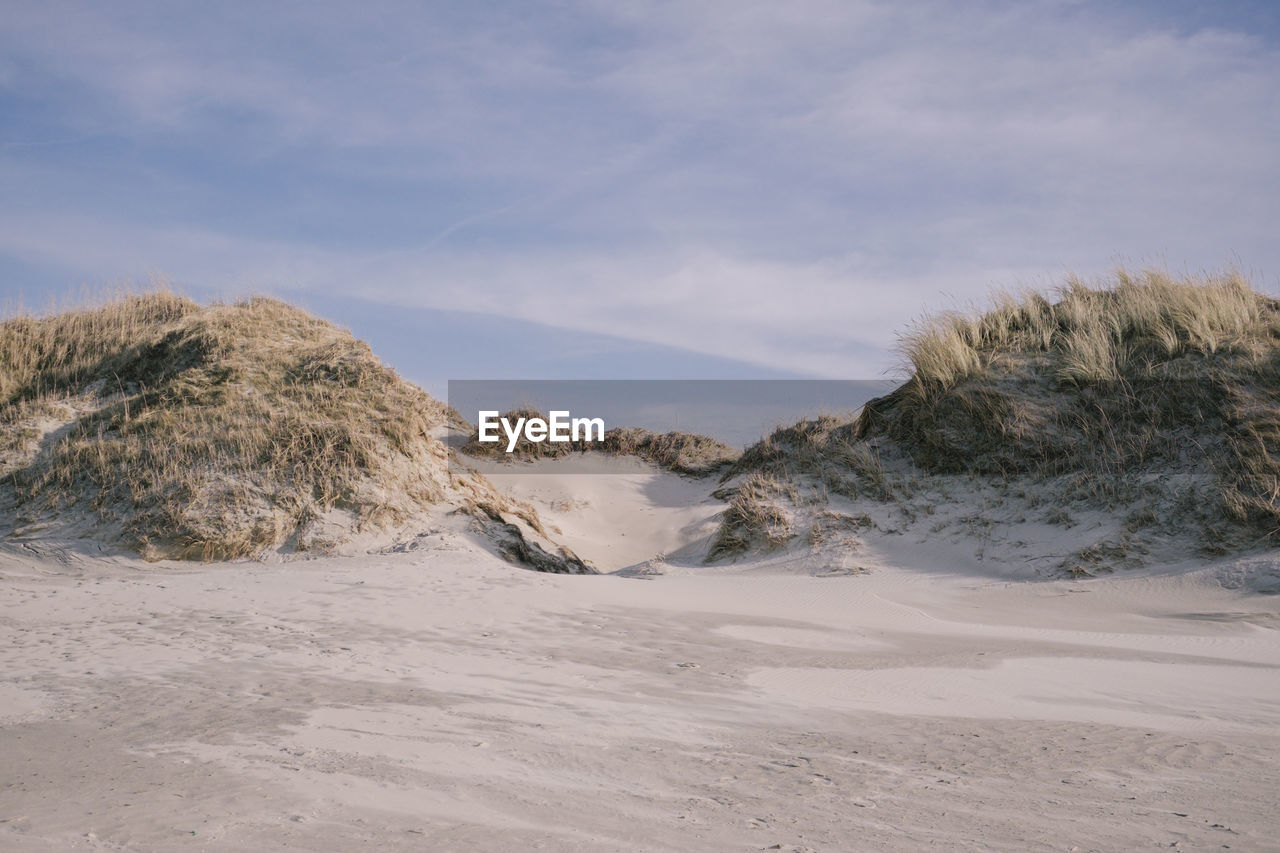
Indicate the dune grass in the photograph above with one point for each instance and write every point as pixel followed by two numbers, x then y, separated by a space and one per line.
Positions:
pixel 682 452
pixel 1148 372
pixel 1094 334
pixel 1154 396
pixel 209 432
pixel 753 518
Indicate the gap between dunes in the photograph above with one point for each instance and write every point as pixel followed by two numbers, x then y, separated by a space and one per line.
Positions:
pixel 616 512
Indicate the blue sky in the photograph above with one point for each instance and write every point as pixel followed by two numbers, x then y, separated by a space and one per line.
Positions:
pixel 594 189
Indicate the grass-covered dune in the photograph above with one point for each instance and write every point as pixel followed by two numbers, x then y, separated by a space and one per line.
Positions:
pixel 1151 399
pixel 214 432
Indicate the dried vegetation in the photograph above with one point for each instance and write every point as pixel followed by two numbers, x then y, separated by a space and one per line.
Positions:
pixel 213 432
pixel 1149 396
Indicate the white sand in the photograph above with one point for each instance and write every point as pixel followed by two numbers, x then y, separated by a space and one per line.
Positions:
pixel 615 512
pixel 443 700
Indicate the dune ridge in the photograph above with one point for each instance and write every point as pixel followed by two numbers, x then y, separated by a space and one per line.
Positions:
pixel 1126 422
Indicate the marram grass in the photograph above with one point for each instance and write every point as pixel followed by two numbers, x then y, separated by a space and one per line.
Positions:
pixel 1153 397
pixel 208 432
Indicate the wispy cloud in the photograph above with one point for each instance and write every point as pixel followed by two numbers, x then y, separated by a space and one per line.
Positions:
pixel 777 183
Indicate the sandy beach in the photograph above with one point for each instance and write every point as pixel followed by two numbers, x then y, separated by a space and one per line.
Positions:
pixel 441 699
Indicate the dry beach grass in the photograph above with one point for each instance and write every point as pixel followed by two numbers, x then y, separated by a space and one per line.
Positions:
pixel 210 432
pixel 1151 398
pixel 221 432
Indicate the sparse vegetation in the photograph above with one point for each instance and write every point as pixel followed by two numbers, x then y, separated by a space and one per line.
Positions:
pixel 825 448
pixel 1059 516
pixel 682 452
pixel 754 518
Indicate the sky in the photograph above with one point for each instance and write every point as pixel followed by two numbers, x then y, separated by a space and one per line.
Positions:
pixel 625 189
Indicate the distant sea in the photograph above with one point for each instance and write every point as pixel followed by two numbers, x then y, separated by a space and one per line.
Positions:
pixel 738 412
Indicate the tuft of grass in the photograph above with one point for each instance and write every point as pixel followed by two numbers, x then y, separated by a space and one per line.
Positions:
pixel 682 452
pixel 753 519
pixel 1091 334
pixel 46 357
pixel 524 449
pixel 825 448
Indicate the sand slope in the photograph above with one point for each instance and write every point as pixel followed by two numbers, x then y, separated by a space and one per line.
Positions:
pixel 444 700
pixel 616 511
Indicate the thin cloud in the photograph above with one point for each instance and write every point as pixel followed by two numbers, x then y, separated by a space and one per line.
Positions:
pixel 779 183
